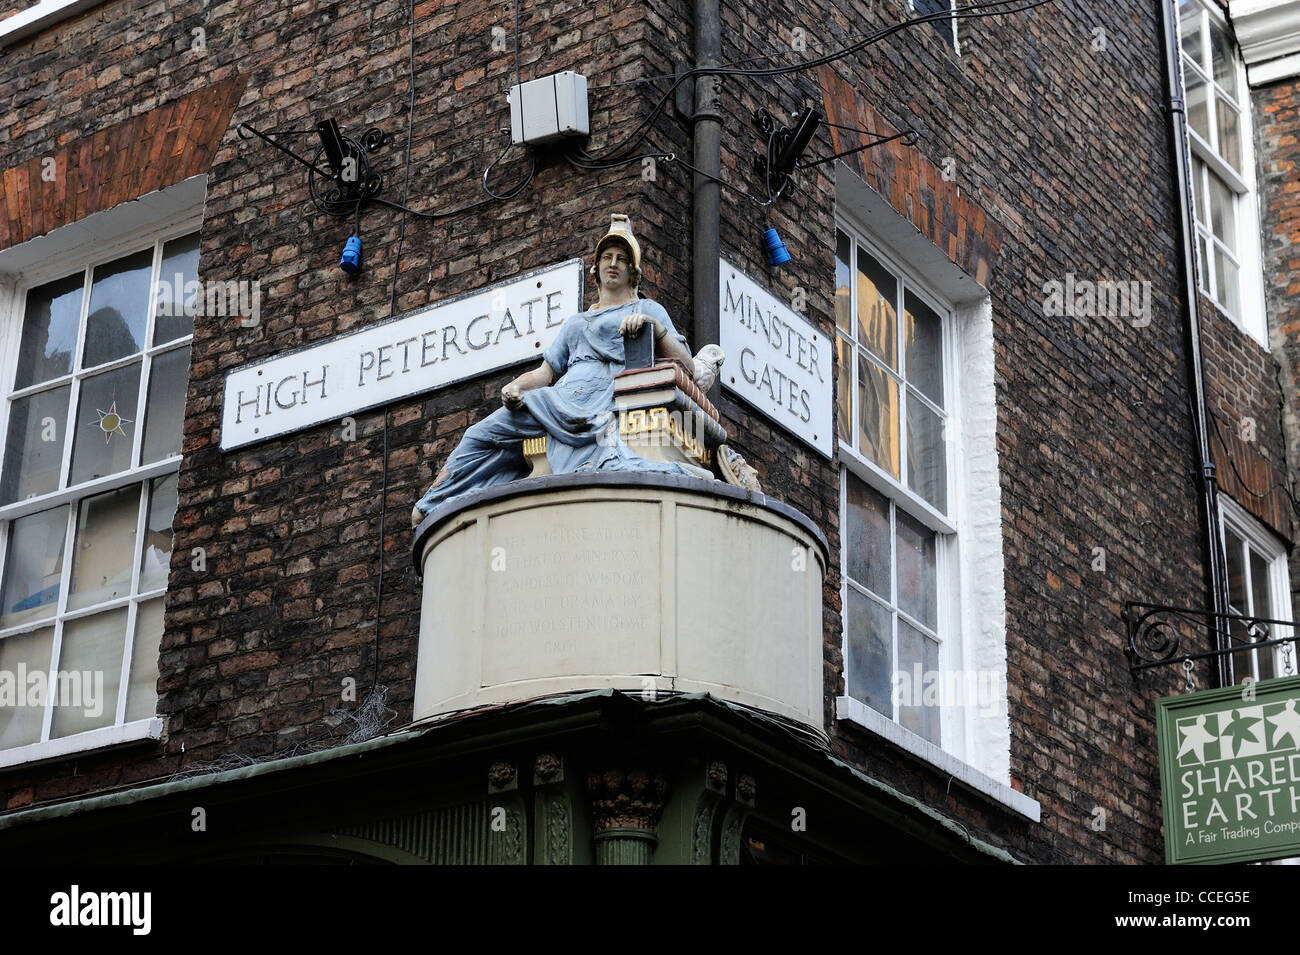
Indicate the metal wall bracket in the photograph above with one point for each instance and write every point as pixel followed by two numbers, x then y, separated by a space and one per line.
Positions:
pixel 1154 639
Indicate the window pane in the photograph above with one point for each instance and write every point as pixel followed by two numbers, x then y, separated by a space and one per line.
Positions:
pixel 91 661
pixel 843 276
pixel 34 445
pixel 1262 606
pixel 877 309
pixel 21 724
pixel 1221 54
pixel 918 656
pixel 1203 247
pixel 119 308
pixel 33 566
pixel 142 693
pixel 871 652
pixel 1189 16
pixel 917 590
pixel 1229 133
pixel 1198 189
pixel 944 27
pixel 106 422
pixel 157 557
pixel 1267 662
pixel 1198 114
pixel 1229 290
pixel 877 415
pixel 866 542
pixel 923 340
pixel 169 374
pixel 927 467
pixel 1223 212
pixel 50 324
pixel 180 265
pixel 104 551
pixel 1261 603
pixel 1234 550
pixel 844 389
pixel 1233 545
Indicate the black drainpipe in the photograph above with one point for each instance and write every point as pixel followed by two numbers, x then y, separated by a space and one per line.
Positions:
pixel 1204 465
pixel 708 158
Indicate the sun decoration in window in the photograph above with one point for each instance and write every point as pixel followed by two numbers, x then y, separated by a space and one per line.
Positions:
pixel 88 485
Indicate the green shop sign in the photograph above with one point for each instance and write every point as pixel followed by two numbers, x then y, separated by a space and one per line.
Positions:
pixel 1230 773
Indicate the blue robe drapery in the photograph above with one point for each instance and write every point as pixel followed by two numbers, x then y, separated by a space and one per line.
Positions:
pixel 576 412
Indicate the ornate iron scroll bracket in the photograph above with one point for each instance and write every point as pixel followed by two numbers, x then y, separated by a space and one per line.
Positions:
pixel 1154 640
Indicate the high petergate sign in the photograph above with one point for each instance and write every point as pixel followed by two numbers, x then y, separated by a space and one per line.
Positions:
pixel 1230 773
pixel 461 338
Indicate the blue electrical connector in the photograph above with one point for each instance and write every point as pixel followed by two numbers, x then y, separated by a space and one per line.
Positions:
pixel 351 260
pixel 776 250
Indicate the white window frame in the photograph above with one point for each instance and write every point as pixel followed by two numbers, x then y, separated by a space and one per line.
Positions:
pixel 1234 517
pixel 953 738
pixel 40 16
pixel 983 763
pixel 952 6
pixel 12 306
pixel 1253 319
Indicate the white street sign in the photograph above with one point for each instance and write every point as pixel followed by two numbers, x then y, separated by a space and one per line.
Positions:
pixel 776 361
pixel 461 338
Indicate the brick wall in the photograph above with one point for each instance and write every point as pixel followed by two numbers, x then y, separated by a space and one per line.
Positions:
pixel 1061 157
pixel 258 643
pixel 1276 116
pixel 1061 161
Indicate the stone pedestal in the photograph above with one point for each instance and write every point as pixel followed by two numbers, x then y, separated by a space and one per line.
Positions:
pixel 640 582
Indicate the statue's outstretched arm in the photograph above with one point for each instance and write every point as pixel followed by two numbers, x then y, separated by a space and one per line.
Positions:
pixel 539 377
pixel 668 346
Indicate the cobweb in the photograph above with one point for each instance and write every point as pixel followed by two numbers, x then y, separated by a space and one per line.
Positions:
pixel 366 721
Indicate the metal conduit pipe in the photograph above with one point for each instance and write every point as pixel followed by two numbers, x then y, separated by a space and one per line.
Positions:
pixel 1205 465
pixel 707 120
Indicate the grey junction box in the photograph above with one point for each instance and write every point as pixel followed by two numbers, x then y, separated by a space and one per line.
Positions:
pixel 548 109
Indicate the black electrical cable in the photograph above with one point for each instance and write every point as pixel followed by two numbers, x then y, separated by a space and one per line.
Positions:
pixel 493 197
pixel 383 513
pixel 406 172
pixel 492 164
pixel 990 8
pixel 973 10
pixel 665 157
pixel 1232 463
pixel 672 76
pixel 392 305
pixel 908 136
pixel 517 81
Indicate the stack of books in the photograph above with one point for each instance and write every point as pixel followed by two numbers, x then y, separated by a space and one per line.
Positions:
pixel 686 429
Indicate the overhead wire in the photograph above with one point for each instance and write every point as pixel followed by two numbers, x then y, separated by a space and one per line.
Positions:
pixel 1241 480
pixel 988 8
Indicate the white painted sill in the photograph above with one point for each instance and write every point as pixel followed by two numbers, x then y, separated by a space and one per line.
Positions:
pixel 150 728
pixel 853 711
pixel 40 16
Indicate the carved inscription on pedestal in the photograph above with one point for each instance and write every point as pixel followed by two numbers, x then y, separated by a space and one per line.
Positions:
pixel 569 595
